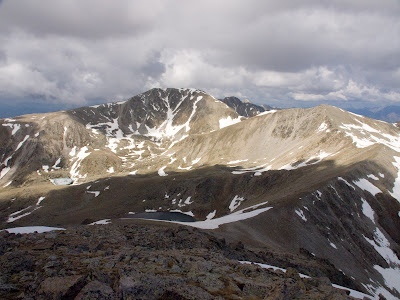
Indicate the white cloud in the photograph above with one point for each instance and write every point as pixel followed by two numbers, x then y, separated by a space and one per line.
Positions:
pixel 190 68
pixel 70 51
pixel 352 91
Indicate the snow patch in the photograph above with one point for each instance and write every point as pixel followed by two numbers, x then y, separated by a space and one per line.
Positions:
pixel 14 127
pixel 332 244
pixel 211 215
pixel 365 185
pixel 367 210
pixel 173 159
pixel 258 170
pixel 265 266
pixel 345 181
pixel 61 181
pixel 74 172
pixel 166 129
pixel 19 214
pixel 352 293
pixel 228 121
pixel 236 161
pixel 235 203
pixel 187 201
pixel 233 217
pixel 322 127
pixel 4 171
pixel 396 186
pixel 372 176
pixel 7 184
pixel 32 229
pixel 391 276
pixel 267 112
pixel 382 246
pixel 55 166
pixel 40 200
pixel 73 151
pixel 300 213
pixel 21 143
pixel 311 161
pixel 196 161
pixel 161 171
pixel 101 222
pixel 185 168
pixel 189 213
pixel 96 193
pixel 365 136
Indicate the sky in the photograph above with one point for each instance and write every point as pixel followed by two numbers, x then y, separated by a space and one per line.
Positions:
pixel 70 53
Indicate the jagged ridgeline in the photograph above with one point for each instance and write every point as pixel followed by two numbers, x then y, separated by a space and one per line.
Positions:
pixel 320 179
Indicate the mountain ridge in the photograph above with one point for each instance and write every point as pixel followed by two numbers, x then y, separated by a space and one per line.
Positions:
pixel 330 177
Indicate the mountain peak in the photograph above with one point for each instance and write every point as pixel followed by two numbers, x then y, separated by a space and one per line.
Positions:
pixel 244 108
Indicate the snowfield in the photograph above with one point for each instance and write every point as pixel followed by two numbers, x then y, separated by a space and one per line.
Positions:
pixel 32 229
pixel 215 223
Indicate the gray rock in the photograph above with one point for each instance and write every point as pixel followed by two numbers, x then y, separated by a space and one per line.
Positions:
pixel 8 287
pixel 57 287
pixel 96 290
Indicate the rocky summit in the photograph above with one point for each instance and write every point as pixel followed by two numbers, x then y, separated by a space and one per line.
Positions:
pixel 148 261
pixel 311 191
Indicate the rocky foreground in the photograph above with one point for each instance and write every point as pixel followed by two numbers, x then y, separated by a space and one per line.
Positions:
pixel 154 261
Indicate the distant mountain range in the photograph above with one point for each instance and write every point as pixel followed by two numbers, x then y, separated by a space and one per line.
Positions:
pixel 320 182
pixel 244 108
pixel 389 114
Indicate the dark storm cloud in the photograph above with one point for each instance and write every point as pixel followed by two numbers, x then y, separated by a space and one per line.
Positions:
pixel 271 51
pixel 86 19
pixel 153 69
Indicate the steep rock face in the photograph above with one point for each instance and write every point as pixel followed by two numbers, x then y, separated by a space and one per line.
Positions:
pixel 320 179
pixel 244 109
pixel 158 113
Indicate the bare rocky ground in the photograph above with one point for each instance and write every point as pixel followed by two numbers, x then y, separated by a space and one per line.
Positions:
pixel 143 260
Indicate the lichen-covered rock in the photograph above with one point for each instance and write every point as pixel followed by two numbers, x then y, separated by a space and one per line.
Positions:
pixel 138 262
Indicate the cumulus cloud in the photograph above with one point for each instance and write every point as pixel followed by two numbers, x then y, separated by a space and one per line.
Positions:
pixel 72 51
